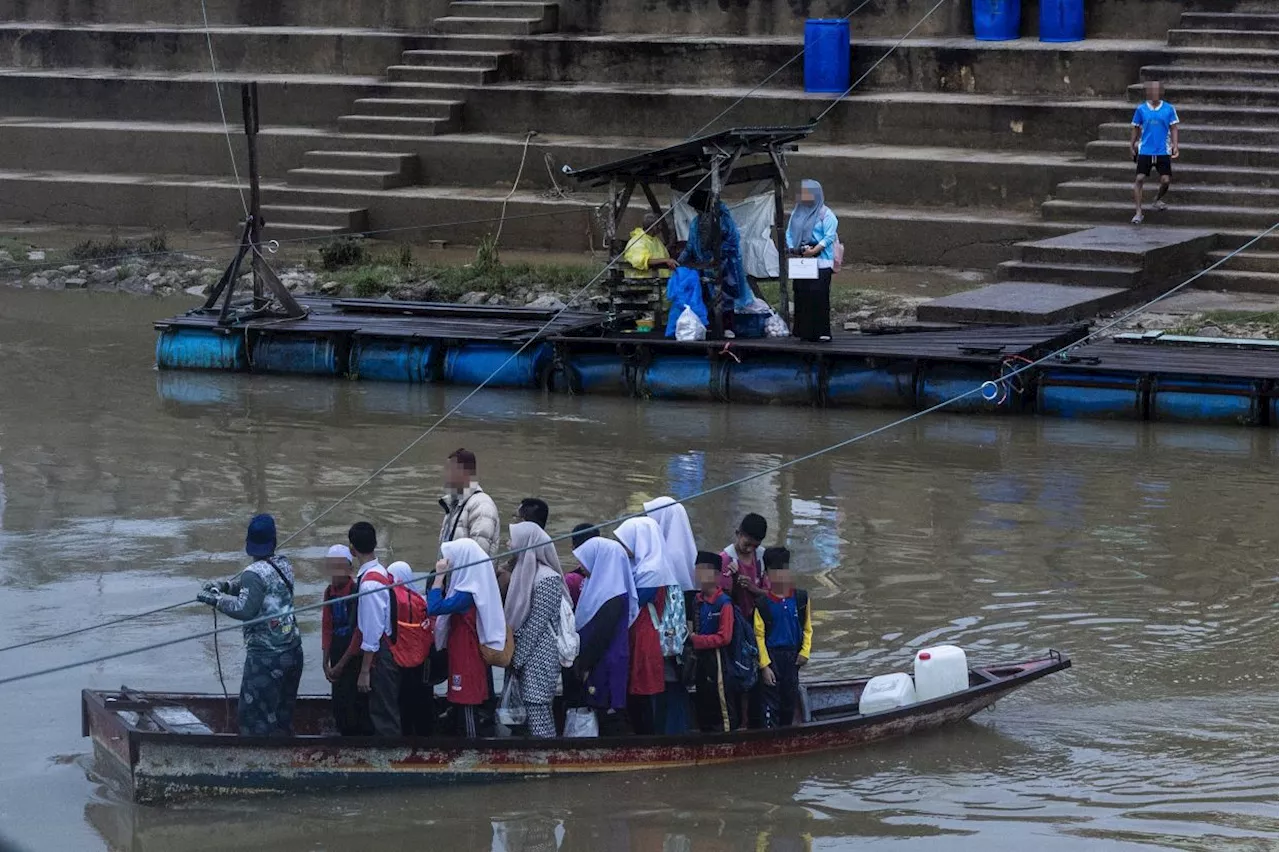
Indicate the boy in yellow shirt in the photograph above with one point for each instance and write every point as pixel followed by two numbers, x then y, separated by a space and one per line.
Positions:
pixel 784 634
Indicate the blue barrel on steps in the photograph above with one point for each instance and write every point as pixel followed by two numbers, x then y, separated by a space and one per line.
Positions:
pixel 997 20
pixel 826 55
pixel 1061 20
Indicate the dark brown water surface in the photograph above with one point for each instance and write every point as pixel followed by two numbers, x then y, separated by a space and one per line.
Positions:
pixel 1147 553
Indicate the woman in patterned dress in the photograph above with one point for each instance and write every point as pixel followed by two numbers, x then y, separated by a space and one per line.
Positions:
pixel 533 612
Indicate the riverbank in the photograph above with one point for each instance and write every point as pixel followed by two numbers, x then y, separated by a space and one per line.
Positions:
pixel 862 296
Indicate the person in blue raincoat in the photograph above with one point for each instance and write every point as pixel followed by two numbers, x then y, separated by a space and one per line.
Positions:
pixel 700 251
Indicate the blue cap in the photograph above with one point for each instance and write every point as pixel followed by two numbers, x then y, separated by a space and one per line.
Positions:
pixel 261 538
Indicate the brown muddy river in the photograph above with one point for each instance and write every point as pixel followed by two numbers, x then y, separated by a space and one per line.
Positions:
pixel 1147 553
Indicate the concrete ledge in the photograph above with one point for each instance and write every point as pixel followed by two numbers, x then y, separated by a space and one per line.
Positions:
pixel 1088 68
pixel 908 118
pixel 382 14
pixel 261 50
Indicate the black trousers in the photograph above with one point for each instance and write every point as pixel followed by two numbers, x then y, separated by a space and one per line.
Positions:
pixel 780 699
pixel 384 694
pixel 812 318
pixel 417 702
pixel 350 705
pixel 716 705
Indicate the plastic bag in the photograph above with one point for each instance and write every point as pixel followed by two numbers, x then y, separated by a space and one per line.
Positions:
pixel 757 306
pixel 672 629
pixel 689 327
pixel 581 722
pixel 775 327
pixel 510 705
pixel 567 642
pixel 839 257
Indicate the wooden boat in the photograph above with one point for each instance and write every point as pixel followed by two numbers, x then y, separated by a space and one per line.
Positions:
pixel 165 746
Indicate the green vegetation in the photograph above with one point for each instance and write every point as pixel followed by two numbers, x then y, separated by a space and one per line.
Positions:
pixel 114 248
pixel 1264 323
pixel 343 252
pixel 372 277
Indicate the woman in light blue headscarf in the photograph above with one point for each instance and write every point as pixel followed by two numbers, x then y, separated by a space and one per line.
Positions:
pixel 812 232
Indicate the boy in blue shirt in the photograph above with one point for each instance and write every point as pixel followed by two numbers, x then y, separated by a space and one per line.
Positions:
pixel 784 633
pixel 1154 142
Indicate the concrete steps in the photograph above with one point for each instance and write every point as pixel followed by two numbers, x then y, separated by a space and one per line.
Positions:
pixel 1178 215
pixel 364 179
pixel 1233 281
pixel 302 235
pixel 1240 56
pixel 439 109
pixel 402 164
pixel 1211 75
pixel 1211 155
pixel 1247 261
pixel 487 59
pixel 1185 92
pixel 345 219
pixel 470 25
pixel 1195 134
pixel 1222 38
pixel 1195 194
pixel 458 76
pixel 1077 274
pixel 408 126
pixel 1024 303
pixel 1241 21
pixel 546 13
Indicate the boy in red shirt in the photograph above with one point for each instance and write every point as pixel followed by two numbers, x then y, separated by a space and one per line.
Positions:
pixel 716 702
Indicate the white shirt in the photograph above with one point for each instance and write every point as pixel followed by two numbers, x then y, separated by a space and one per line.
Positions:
pixel 373 615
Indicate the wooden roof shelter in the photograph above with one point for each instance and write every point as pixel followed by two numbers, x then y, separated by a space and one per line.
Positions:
pixel 708 163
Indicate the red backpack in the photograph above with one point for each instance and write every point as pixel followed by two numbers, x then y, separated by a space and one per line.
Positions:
pixel 411 634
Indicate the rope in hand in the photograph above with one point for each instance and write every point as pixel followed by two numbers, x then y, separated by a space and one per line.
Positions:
pixel 768 471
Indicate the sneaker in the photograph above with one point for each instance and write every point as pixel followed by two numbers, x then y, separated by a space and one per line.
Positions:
pixel 826 338
pixel 1136 220
pixel 1161 206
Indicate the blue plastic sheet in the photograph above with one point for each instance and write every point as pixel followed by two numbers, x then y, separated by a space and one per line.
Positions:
pixel 684 288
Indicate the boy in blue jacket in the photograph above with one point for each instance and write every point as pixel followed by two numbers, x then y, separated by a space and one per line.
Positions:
pixel 784 634
pixel 716 702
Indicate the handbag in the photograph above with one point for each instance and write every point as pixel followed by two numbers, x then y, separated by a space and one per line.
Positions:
pixel 502 658
pixel 581 722
pixel 567 642
pixel 511 710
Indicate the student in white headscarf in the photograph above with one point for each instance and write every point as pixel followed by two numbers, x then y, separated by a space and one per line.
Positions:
pixel 470 616
pixel 606 609
pixel 677 534
pixel 643 541
pixel 533 612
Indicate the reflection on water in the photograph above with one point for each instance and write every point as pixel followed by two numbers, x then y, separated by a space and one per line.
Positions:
pixel 1146 552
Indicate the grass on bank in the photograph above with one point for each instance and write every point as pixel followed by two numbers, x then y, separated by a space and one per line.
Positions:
pixel 1268 322
pixel 352 264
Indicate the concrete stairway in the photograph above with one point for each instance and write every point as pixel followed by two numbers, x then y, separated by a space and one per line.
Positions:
pixel 1222 77
pixel 423 102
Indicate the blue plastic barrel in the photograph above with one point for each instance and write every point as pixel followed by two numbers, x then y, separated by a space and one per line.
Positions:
pixel 494 364
pixel 200 349
pixel 1061 20
pixel 826 55
pixel 997 20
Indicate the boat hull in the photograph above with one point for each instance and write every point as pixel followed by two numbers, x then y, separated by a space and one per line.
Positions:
pixel 163 766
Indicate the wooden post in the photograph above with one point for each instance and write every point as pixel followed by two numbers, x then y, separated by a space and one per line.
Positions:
pixel 780 241
pixel 249 109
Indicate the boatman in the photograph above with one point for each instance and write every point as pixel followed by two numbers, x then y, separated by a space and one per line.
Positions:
pixel 263 595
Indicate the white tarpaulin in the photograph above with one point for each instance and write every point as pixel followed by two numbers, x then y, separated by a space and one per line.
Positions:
pixel 754 218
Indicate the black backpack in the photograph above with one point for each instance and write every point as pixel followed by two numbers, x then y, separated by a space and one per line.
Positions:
pixel 743 665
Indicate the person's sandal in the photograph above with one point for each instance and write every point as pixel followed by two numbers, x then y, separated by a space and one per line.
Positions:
pixel 1136 220
pixel 1161 206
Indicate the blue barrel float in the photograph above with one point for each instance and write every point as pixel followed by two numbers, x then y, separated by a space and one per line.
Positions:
pixel 826 55
pixel 1236 402
pixel 861 384
pixel 200 349
pixel 472 364
pixel 1061 20
pixel 693 377
pixel 941 382
pixel 1078 393
pixel 597 372
pixel 392 360
pixel 779 380
pixel 299 354
pixel 997 20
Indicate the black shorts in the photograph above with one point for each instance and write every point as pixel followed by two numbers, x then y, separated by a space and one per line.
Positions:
pixel 1162 162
